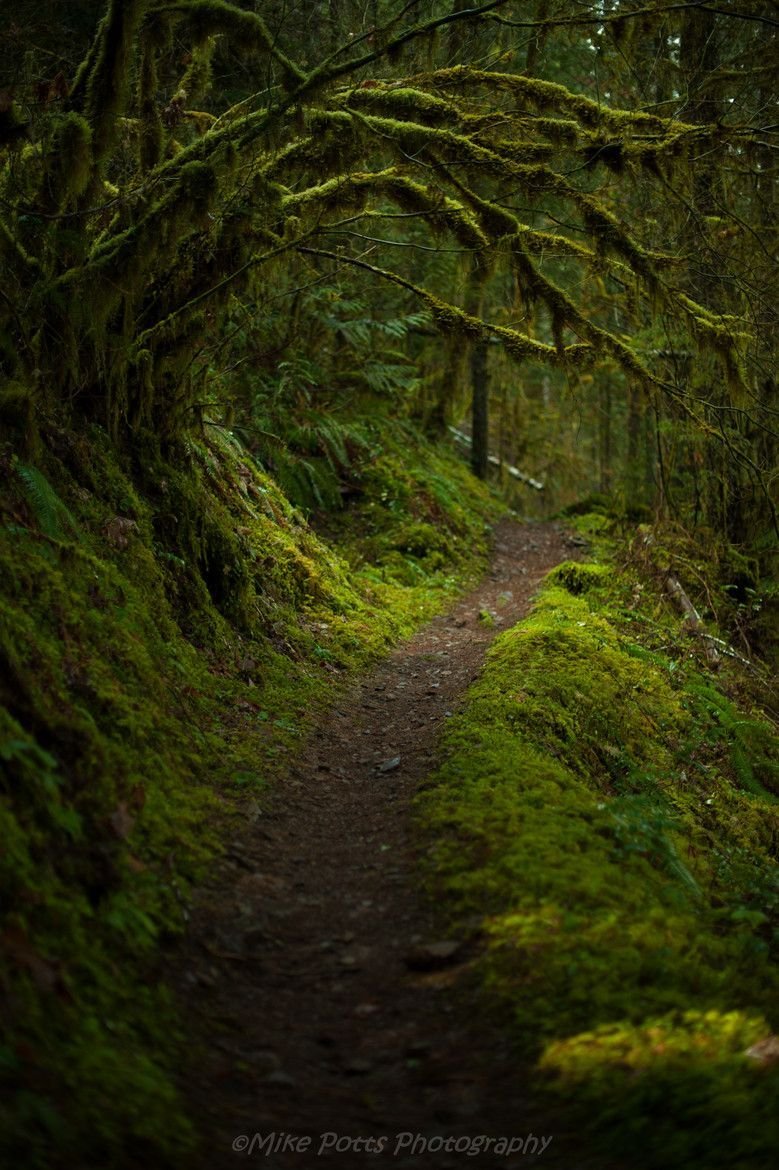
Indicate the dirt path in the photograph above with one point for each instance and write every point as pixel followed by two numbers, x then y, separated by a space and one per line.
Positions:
pixel 320 1006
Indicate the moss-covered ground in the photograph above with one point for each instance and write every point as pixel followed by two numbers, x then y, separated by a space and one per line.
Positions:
pixel 609 807
pixel 167 630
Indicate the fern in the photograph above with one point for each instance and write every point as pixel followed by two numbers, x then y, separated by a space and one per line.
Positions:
pixel 642 825
pixel 52 515
pixel 751 743
pixel 357 331
pixel 306 425
pixel 400 327
pixel 307 483
pixel 390 378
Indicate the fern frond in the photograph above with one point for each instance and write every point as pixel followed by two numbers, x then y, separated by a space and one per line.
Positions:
pixel 51 513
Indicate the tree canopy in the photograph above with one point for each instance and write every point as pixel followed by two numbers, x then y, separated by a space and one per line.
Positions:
pixel 591 186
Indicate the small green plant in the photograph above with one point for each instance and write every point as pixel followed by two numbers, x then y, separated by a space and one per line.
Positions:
pixel 52 515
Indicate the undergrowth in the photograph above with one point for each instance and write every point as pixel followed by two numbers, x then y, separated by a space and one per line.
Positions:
pixel 167 631
pixel 611 810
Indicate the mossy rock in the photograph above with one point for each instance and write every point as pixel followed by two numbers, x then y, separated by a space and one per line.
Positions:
pixel 579 578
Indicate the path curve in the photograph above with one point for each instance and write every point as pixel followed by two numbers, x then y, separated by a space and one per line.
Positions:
pixel 310 979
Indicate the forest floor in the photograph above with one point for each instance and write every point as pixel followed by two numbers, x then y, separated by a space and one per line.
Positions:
pixel 322 991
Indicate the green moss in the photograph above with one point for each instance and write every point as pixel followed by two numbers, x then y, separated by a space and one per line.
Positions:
pixel 106 830
pixel 684 1083
pixel 548 95
pixel 68 161
pixel 247 30
pixel 402 101
pixel 610 814
pixel 503 161
pixel 107 82
pixel 420 520
pixel 579 578
pixel 165 640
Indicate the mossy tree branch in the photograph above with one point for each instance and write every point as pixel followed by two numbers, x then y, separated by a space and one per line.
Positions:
pixel 107 81
pixel 207 204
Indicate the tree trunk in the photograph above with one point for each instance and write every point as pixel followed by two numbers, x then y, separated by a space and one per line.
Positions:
pixel 604 435
pixel 633 471
pixel 480 421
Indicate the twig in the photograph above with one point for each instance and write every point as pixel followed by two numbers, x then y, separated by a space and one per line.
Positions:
pixel 677 594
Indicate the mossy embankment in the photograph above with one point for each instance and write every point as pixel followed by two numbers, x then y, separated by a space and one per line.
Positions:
pixel 610 808
pixel 167 629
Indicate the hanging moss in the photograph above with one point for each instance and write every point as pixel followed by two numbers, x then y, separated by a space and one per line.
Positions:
pixel 353 190
pixel 453 321
pixel 548 95
pixel 398 101
pixel 208 232
pixel 343 191
pixel 610 237
pixel 196 81
pixel 496 220
pixel 538 243
pixel 559 131
pixel 107 86
pixel 605 153
pixel 127 256
pixel 14 252
pixel 248 32
pixel 562 310
pixel 334 141
pixel 461 150
pixel 68 161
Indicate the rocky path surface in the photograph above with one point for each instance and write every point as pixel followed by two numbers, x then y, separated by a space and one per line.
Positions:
pixel 328 1006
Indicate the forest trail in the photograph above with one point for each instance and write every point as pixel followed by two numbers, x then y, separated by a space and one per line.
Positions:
pixel 319 993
